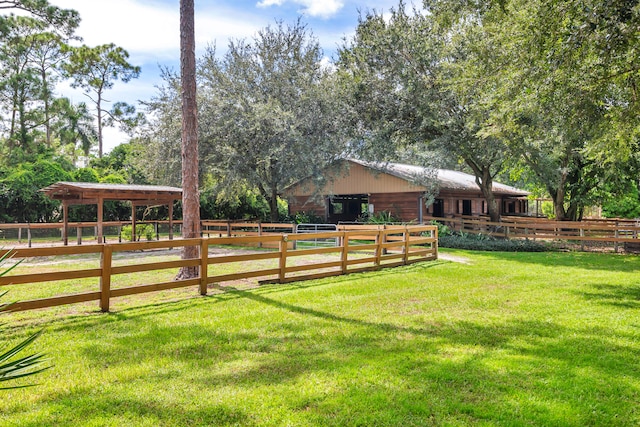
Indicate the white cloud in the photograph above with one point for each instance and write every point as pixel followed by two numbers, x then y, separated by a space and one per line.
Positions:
pixel 149 30
pixel 320 8
pixel 267 3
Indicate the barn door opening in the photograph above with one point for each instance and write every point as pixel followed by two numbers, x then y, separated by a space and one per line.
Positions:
pixel 438 208
pixel 347 208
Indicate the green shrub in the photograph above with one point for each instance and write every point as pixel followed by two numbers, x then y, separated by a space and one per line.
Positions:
pixel 548 210
pixel 380 218
pixel 307 218
pixel 484 242
pixel 443 230
pixel 145 230
pixel 625 206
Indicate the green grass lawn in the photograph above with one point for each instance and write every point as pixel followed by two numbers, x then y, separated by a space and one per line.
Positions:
pixel 539 339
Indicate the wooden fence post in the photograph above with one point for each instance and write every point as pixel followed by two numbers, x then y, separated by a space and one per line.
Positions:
pixel 345 251
pixel 204 265
pixel 283 258
pixel 384 240
pixel 19 234
pixel 581 238
pixel 105 279
pixel 406 236
pixel 29 236
pixel 294 231
pixel 434 245
pixel 79 234
pixel 260 233
pixel 378 248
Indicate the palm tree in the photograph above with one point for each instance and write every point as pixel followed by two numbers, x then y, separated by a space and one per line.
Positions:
pixel 76 126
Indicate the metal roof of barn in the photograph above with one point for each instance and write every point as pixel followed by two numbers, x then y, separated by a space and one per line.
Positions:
pixel 447 179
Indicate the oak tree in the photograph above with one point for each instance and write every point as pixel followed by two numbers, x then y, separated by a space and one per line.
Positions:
pixel 272 111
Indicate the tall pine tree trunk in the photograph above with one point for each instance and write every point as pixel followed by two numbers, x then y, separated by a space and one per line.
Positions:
pixel 99 109
pixel 190 196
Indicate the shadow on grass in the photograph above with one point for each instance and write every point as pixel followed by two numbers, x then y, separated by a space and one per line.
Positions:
pixel 92 407
pixel 380 373
pixel 618 296
pixel 579 260
pixel 93 316
pixel 271 361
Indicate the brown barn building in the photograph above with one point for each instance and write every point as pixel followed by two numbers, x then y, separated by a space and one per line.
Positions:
pixel 355 187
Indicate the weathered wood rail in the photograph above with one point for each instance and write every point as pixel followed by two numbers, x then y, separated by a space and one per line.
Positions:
pixel 358 251
pixel 616 233
pixel 26 232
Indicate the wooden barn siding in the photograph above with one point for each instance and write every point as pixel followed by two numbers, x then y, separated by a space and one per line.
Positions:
pixel 453 199
pixel 359 180
pixel 403 206
pixel 308 205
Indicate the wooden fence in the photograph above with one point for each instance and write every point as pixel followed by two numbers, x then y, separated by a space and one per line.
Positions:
pixel 614 233
pixel 357 251
pixel 28 232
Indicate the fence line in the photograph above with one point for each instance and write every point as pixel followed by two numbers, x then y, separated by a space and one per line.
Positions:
pixel 26 231
pixel 375 249
pixel 613 232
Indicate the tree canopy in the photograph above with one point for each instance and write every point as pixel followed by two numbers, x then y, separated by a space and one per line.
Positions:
pixel 273 110
pixel 546 89
pixel 540 91
pixel 95 70
pixel 409 83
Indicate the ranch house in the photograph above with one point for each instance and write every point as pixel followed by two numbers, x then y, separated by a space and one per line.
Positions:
pixel 351 188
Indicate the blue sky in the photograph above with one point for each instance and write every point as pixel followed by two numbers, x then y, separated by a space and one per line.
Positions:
pixel 149 31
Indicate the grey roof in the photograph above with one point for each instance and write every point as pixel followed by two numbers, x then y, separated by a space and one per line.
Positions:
pixel 114 187
pixel 449 179
pixel 90 190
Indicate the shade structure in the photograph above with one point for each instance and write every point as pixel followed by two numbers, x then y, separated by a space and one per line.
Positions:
pixel 89 193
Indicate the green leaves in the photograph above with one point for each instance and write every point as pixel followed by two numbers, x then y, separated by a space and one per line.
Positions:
pixel 63 20
pixel 12 368
pixel 270 112
pixel 95 70
pixel 416 87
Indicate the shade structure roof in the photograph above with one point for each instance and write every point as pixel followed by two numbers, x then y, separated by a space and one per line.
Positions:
pixel 90 193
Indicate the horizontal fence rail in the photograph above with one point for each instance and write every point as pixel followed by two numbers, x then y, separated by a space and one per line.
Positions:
pixel 112 230
pixel 615 233
pixel 357 251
